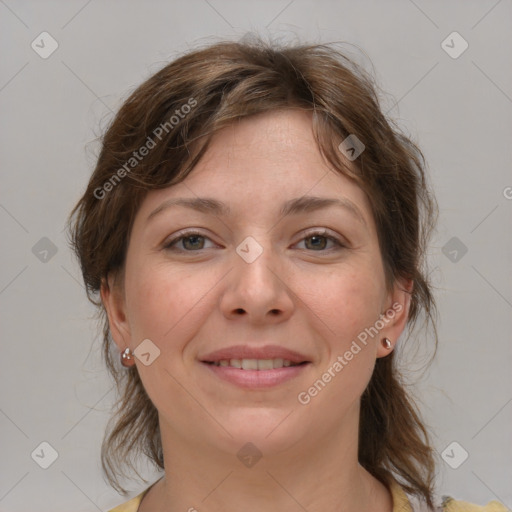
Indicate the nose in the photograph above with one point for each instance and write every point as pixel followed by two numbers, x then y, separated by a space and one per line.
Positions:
pixel 258 291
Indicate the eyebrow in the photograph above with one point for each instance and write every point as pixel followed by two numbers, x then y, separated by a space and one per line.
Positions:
pixel 304 204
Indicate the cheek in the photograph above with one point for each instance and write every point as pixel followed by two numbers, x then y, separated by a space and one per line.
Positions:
pixel 349 304
pixel 348 301
pixel 164 303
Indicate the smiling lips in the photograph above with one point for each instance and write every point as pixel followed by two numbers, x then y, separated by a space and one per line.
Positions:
pixel 247 353
pixel 255 364
pixel 257 367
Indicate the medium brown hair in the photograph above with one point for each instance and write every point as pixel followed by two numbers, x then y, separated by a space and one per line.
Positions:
pixel 222 83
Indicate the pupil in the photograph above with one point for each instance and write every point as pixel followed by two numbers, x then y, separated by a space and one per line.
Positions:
pixel 194 239
pixel 318 238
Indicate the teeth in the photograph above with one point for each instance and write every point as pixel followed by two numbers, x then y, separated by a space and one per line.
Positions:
pixel 277 363
pixel 255 364
pixel 250 364
pixel 265 364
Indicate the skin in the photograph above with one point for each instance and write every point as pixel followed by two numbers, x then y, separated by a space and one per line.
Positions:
pixel 302 293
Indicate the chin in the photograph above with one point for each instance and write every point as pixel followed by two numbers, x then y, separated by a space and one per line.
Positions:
pixel 269 430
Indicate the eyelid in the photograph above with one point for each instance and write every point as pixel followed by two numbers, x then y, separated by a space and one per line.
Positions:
pixel 319 231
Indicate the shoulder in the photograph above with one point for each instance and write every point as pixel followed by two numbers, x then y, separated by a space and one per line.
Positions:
pixel 131 505
pixel 452 505
pixel 404 502
pixel 134 504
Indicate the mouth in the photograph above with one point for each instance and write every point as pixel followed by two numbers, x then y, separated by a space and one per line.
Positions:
pixel 254 357
pixel 256 367
pixel 255 364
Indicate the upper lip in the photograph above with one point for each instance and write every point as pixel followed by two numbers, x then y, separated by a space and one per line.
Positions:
pixel 248 352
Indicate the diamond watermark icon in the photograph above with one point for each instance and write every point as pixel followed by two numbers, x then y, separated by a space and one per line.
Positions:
pixel 146 352
pixel 44 250
pixel 44 45
pixel 351 147
pixel 249 250
pixel 454 455
pixel 249 455
pixel 454 45
pixel 454 249
pixel 44 455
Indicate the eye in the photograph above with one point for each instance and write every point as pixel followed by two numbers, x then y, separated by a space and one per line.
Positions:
pixel 189 241
pixel 319 240
pixel 193 241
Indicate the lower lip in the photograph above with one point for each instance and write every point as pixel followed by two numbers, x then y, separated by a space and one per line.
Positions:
pixel 256 379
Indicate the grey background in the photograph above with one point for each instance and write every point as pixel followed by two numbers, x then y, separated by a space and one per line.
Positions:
pixel 53 385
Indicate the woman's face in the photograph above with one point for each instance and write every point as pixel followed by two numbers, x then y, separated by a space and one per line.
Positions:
pixel 309 281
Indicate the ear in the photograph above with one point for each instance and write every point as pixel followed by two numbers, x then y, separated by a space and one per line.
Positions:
pixel 395 315
pixel 112 297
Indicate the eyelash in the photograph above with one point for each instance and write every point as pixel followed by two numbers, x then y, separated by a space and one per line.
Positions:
pixel 323 233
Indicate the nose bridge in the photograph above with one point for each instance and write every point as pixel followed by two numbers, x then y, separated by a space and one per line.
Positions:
pixel 254 264
pixel 256 287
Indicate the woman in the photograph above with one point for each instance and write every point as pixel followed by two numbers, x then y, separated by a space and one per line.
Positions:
pixel 255 228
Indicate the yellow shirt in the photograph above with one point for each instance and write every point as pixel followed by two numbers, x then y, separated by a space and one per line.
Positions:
pixel 400 503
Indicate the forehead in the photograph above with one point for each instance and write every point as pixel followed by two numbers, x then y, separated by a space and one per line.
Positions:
pixel 263 159
pixel 270 136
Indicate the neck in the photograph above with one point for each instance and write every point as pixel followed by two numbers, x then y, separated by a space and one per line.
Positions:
pixel 318 475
